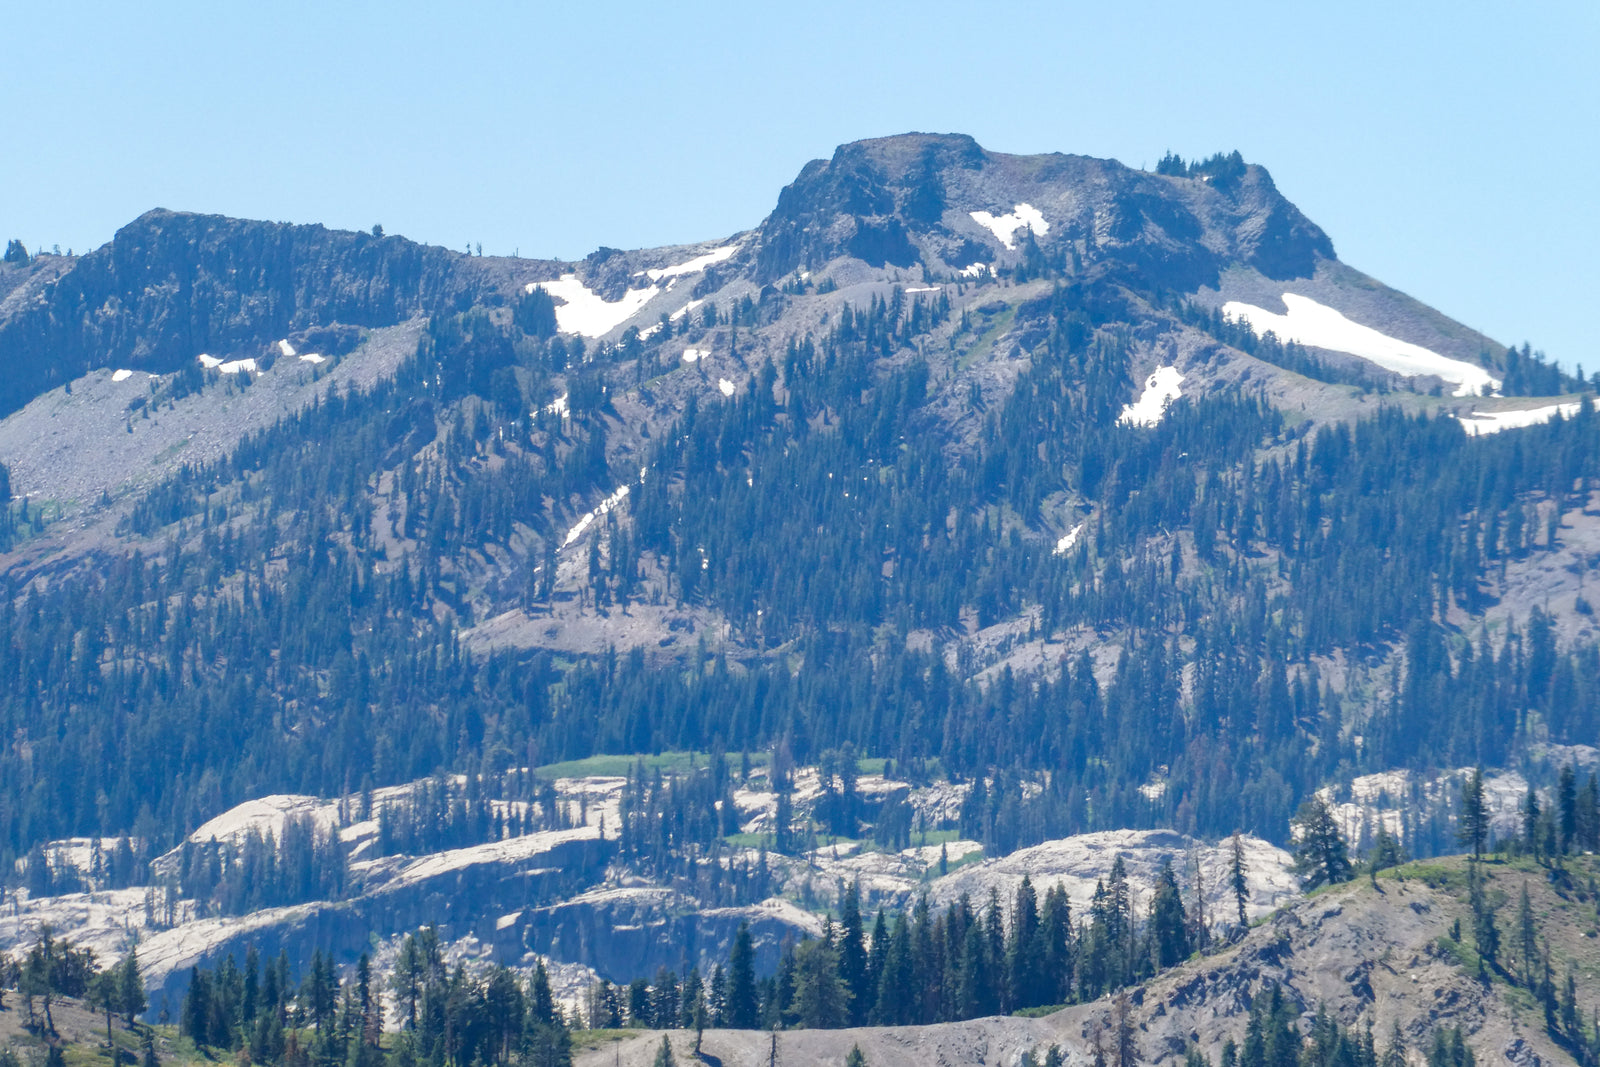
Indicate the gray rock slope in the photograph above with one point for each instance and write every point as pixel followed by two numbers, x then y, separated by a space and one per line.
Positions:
pixel 1383 956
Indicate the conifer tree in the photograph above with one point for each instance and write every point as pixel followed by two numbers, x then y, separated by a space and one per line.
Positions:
pixel 1321 857
pixel 131 999
pixel 1169 926
pixel 1237 870
pixel 1567 807
pixel 853 955
pixel 1474 829
pixel 743 1008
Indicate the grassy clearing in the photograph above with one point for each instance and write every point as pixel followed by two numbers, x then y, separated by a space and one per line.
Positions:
pixel 980 348
pixel 619 766
pixel 583 1040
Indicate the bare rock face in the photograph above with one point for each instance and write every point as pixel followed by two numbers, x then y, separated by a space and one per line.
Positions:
pixel 909 200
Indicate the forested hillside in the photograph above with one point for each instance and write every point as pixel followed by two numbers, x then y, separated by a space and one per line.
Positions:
pixel 960 470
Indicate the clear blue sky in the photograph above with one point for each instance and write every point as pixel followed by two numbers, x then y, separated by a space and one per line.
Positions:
pixel 1451 150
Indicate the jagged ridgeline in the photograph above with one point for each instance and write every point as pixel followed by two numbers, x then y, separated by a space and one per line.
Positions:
pixel 891 471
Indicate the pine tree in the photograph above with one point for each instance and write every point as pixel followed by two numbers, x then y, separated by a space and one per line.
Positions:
pixel 743 1008
pixel 1025 950
pixel 1321 857
pixel 896 994
pixel 1567 807
pixel 853 956
pixel 1527 939
pixel 1485 932
pixel 821 995
pixel 1474 829
pixel 1237 870
pixel 1384 854
pixel 1169 926
pixel 1394 1055
pixel 131 999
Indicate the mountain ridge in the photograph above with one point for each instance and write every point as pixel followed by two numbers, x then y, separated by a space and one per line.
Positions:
pixel 1041 531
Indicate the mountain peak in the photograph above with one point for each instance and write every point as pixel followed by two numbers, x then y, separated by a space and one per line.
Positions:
pixel 934 199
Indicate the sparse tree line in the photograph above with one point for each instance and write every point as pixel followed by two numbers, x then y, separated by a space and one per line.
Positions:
pixel 54 969
pixel 445 1015
pixel 1522 956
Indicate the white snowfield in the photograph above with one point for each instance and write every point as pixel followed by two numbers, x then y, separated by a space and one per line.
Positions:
pixel 1070 538
pixel 725 386
pixel 695 265
pixel 121 375
pixel 285 348
pixel 695 355
pixel 558 406
pixel 1160 389
pixel 681 312
pixel 585 312
pixel 313 357
pixel 1005 227
pixel 974 270
pixel 1319 326
pixel 583 524
pixel 232 366
pixel 924 289
pixel 1484 422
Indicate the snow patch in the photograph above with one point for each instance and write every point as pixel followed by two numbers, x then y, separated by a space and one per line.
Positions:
pixel 975 270
pixel 681 312
pixel 924 289
pixel 1319 326
pixel 1004 227
pixel 558 406
pixel 695 265
pixel 285 348
pixel 232 366
pixel 1068 539
pixel 121 375
pixel 586 312
pixel 695 355
pixel 1160 389
pixel 726 386
pixel 612 501
pixel 313 357
pixel 1483 422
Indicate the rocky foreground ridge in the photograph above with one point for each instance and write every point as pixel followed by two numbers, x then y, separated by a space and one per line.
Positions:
pixel 1390 954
